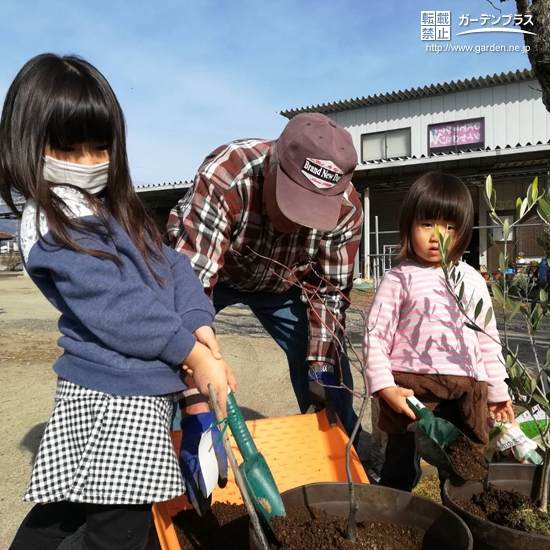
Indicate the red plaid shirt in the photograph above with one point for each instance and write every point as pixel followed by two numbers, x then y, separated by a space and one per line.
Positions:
pixel 222 226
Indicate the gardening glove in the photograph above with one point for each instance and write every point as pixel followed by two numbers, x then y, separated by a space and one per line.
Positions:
pixel 321 396
pixel 194 427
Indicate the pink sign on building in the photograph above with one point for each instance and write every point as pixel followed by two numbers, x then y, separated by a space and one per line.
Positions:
pixel 457 135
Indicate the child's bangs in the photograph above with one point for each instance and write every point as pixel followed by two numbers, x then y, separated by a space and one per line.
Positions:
pixel 439 206
pixel 79 115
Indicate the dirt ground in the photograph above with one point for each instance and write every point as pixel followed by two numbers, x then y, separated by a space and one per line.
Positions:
pixel 28 335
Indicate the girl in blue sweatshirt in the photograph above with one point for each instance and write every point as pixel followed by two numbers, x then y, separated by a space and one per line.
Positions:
pixel 132 311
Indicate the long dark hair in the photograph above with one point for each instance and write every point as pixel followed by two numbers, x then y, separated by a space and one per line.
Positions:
pixel 62 101
pixel 437 196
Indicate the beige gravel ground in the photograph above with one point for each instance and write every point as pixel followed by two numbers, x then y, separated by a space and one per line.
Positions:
pixel 27 383
pixel 28 334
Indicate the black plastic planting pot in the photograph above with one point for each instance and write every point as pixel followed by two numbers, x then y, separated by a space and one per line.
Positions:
pixel 443 528
pixel 523 478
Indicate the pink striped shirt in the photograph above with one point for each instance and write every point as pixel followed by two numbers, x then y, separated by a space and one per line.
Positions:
pixel 415 326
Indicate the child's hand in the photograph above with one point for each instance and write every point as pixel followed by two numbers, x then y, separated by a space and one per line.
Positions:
pixel 501 412
pixel 395 396
pixel 209 370
pixel 205 335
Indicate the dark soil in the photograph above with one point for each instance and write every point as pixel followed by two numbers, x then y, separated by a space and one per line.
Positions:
pixel 508 509
pixel 467 461
pixel 302 529
pixel 225 527
pixel 312 529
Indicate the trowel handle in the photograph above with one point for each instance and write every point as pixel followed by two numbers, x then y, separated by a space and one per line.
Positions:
pixel 239 429
pixel 417 407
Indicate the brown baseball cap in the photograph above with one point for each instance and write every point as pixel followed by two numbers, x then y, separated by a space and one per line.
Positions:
pixel 315 162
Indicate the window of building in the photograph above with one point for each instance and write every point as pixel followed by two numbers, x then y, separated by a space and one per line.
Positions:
pixel 385 145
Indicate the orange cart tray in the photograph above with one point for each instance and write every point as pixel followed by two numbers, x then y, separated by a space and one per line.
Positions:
pixel 299 449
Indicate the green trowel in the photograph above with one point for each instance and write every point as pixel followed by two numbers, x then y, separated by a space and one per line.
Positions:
pixel 255 472
pixel 434 436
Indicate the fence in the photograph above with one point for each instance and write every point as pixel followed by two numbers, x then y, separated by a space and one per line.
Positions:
pixel 524 236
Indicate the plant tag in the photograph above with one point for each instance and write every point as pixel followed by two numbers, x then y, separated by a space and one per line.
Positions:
pixel 208 462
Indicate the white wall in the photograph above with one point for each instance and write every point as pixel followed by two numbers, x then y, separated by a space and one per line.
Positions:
pixel 513 112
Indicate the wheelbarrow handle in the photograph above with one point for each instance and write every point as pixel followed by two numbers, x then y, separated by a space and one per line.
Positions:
pixel 239 429
pixel 417 407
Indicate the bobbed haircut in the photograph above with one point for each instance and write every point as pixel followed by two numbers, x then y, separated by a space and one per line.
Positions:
pixel 437 196
pixel 61 101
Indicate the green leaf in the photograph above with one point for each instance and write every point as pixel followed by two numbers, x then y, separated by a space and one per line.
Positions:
pixel 502 263
pixel 498 295
pixel 547 362
pixel 544 209
pixel 488 317
pixel 446 246
pixel 473 327
pixel 529 196
pixel 536 319
pixel 535 189
pixel 523 208
pixel 506 229
pixel 524 311
pixel 489 188
pixel 461 291
pixel 511 302
pixel 495 218
pixel 517 307
pixel 542 401
pixel 515 372
pixel 479 306
pixel 518 206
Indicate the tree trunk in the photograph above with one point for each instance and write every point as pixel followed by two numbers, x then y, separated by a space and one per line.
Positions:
pixel 539 44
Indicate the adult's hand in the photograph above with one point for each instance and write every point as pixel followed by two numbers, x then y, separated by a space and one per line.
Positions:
pixel 193 427
pixel 324 392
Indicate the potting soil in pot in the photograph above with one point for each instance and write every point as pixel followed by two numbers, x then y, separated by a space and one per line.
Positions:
pixel 302 529
pixel 509 509
pixel 313 529
pixel 466 459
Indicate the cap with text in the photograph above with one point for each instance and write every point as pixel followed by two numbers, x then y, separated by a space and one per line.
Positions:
pixel 316 159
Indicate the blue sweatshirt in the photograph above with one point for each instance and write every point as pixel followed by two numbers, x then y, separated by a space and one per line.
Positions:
pixel 122 332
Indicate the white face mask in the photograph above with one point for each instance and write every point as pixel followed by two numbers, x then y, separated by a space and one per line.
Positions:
pixel 91 178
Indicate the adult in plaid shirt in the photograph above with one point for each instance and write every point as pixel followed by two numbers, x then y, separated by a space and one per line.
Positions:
pixel 263 215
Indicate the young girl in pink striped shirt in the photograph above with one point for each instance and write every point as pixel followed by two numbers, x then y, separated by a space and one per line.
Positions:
pixel 417 343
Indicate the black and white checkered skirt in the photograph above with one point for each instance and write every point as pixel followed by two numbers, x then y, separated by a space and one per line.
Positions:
pixel 106 449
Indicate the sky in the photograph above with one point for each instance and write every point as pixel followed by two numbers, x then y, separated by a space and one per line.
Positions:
pixel 194 74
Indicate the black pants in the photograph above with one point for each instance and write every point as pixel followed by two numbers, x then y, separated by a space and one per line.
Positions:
pixel 401 469
pixel 118 527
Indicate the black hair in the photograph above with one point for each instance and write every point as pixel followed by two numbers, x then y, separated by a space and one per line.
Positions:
pixel 437 196
pixel 61 101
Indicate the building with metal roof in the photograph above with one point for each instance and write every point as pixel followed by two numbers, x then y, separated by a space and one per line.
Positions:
pixel 495 125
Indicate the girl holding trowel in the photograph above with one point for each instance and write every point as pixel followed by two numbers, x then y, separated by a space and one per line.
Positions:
pixel 132 311
pixel 416 341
